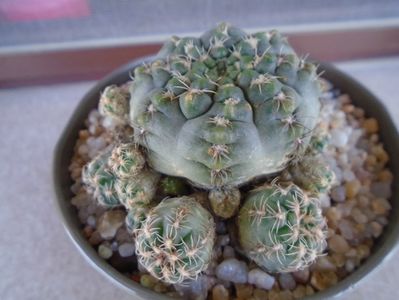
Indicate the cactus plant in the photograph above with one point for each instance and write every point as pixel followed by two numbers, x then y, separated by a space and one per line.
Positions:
pixel 176 239
pixel 312 174
pixel 281 228
pixel 126 160
pixel 224 108
pixel 98 176
pixel 114 102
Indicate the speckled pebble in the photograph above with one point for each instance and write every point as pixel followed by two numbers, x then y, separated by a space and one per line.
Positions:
pixel 105 251
pixel 232 270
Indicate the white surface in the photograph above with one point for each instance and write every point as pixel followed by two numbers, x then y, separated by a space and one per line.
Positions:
pixel 37 260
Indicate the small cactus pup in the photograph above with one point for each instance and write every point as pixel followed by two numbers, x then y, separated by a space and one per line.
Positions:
pixel 280 228
pixel 224 201
pixel 101 180
pixel 224 108
pixel 176 239
pixel 126 160
pixel 312 174
pixel 114 102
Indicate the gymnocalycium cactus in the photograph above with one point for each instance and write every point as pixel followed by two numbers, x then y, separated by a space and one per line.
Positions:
pixel 216 112
pixel 175 241
pixel 224 108
pixel 281 228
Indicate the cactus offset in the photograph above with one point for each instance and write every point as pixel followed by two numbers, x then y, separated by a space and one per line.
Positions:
pixel 114 102
pixel 126 160
pixel 224 108
pixel 175 241
pixel 225 202
pixel 281 228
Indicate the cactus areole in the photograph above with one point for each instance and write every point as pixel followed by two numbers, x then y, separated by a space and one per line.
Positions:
pixel 224 108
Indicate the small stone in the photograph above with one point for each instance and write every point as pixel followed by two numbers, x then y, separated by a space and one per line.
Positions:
pixel 95 238
pixel 219 292
pixel 286 295
pixel 385 175
pixel 88 231
pixel 325 200
pixel 376 229
pixel 301 276
pixel 228 252
pixel 380 206
pixel 126 249
pixel 350 265
pixel 324 263
pixel 338 194
pixel 381 189
pixel 232 270
pixel 338 244
pixel 110 222
pixel 261 279
pixel 260 294
pixel 309 290
pixel 338 259
pixel 346 229
pixel 339 138
pixel 363 251
pixel 358 216
pixel 160 288
pixel 221 227
pixel 223 240
pixel 370 125
pixel 352 188
pixel 299 292
pixel 195 289
pixel 323 280
pixel 148 281
pixel 333 216
pixel 243 291
pixel 105 251
pixel 91 221
pixel 287 281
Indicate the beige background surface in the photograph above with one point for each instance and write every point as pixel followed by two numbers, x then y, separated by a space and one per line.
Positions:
pixel 37 260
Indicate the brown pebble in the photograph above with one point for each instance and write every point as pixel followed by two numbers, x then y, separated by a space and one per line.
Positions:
pixel 358 112
pixel 219 292
pixel 309 290
pixel 376 229
pixel 260 294
pixel 243 291
pixel 286 295
pixel 385 175
pixel 338 244
pixel 84 134
pixel 95 238
pixel 363 251
pixel 370 125
pixel 381 155
pixel 323 280
pixel 352 188
pixel 299 292
pixel 338 259
pixel 88 231
pixel 160 288
pixel 302 276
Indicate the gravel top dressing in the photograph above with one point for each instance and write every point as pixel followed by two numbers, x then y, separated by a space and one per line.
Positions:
pixel 356 210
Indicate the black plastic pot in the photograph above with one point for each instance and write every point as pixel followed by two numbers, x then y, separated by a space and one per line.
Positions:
pixel 62 182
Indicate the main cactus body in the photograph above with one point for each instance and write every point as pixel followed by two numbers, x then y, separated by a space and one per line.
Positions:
pixel 281 228
pixel 224 108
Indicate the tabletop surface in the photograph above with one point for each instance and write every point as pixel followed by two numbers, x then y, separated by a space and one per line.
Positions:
pixel 37 259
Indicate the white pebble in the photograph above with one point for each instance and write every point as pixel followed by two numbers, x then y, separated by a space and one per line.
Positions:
pixel 261 279
pixel 232 270
pixel 286 281
pixel 91 221
pixel 338 193
pixel 126 249
pixel 223 240
pixel 325 200
pixel 339 138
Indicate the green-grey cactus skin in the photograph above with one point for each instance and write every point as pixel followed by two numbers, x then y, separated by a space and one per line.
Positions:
pixel 312 174
pixel 137 191
pixel 114 102
pixel 176 239
pixel 225 202
pixel 126 160
pixel 224 108
pixel 281 229
pixel 99 177
pixel 135 217
pixel 174 186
